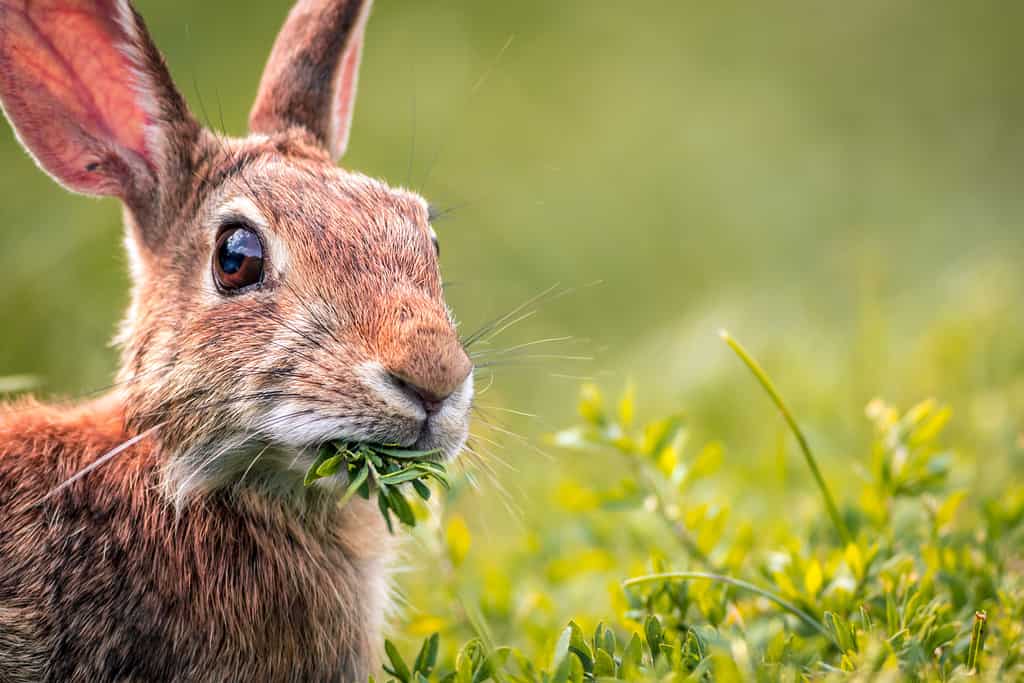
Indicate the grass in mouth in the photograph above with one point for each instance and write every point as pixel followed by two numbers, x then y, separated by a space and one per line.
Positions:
pixel 380 470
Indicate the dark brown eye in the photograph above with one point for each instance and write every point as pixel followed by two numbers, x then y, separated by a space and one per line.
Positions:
pixel 238 258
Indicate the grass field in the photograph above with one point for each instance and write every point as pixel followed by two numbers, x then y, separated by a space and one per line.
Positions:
pixel 838 185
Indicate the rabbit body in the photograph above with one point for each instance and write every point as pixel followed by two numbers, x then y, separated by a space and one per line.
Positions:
pixel 162 532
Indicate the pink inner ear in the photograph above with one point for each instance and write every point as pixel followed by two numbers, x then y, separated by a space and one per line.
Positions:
pixel 345 91
pixel 70 89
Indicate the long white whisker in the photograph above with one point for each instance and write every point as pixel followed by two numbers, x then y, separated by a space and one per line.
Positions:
pixel 259 455
pixel 100 461
pixel 517 347
pixel 491 406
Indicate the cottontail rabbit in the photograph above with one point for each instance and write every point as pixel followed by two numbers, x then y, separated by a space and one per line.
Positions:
pixel 162 531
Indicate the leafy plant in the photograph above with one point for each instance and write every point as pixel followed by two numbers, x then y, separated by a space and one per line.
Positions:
pixel 379 470
pixel 907 574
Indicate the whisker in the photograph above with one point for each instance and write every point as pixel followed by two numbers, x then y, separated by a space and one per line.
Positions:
pixel 182 487
pixel 517 347
pixel 490 383
pixel 508 501
pixel 314 316
pixel 573 378
pixel 259 455
pixel 100 390
pixel 491 406
pixel 518 437
pixel 412 147
pixel 99 462
pixel 492 456
pixel 472 92
pixel 487 328
pixel 537 356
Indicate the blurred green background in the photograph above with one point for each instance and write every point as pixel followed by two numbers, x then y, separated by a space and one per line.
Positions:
pixel 838 184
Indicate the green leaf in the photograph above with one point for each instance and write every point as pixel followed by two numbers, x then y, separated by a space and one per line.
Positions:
pixel 330 466
pixel 492 665
pixel 322 456
pixel 561 647
pixel 578 645
pixel 604 665
pixel 468 661
pixel 401 507
pixel 561 674
pixel 427 657
pixel 652 629
pixel 632 657
pixel 401 476
pixel 421 489
pixel 405 454
pixel 356 483
pixel 384 505
pixel 398 669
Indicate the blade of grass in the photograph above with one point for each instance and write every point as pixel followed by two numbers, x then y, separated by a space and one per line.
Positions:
pixel 769 387
pixel 739 583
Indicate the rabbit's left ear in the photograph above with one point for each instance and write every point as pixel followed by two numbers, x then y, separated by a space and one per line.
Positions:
pixel 310 79
pixel 90 98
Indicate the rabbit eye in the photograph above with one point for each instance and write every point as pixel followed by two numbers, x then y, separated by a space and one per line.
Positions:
pixel 238 259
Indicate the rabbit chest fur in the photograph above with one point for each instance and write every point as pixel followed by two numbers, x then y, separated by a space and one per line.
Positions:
pixel 105 581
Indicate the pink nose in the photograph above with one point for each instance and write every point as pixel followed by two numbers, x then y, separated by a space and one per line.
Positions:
pixel 432 403
pixel 430 365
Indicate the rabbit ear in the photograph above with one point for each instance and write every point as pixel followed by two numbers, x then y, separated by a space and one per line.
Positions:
pixel 310 79
pixel 89 96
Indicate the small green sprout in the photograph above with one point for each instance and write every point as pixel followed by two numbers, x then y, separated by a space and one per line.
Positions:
pixel 379 470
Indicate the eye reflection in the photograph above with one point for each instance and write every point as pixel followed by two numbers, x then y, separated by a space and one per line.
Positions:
pixel 238 258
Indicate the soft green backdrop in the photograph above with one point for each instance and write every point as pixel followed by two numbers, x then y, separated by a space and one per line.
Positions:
pixel 836 183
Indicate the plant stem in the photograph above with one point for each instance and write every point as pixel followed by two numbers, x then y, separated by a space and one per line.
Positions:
pixel 769 387
pixel 739 583
pixel 681 533
pixel 977 642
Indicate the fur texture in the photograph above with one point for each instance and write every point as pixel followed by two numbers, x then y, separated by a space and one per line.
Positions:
pixel 195 553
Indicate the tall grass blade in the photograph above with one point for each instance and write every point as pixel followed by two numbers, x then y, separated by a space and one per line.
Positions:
pixel 739 583
pixel 769 387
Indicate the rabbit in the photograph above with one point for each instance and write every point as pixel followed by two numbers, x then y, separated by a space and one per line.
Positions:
pixel 161 531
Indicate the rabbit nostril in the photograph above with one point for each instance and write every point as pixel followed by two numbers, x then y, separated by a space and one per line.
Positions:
pixel 432 403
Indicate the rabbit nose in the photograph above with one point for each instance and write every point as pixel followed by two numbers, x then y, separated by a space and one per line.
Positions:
pixel 431 402
pixel 430 369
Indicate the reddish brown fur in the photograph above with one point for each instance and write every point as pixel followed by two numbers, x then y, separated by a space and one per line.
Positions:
pixel 105 582
pixel 196 554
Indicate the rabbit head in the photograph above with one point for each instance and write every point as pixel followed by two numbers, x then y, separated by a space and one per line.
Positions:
pixel 278 302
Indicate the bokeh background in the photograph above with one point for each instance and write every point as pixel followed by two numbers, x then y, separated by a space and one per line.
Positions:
pixel 838 184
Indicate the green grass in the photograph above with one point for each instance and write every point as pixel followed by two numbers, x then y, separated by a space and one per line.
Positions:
pixel 909 574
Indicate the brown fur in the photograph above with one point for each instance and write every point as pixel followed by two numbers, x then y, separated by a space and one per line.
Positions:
pixel 105 582
pixel 196 554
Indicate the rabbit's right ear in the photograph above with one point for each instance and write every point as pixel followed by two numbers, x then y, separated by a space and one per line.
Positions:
pixel 90 98
pixel 310 80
